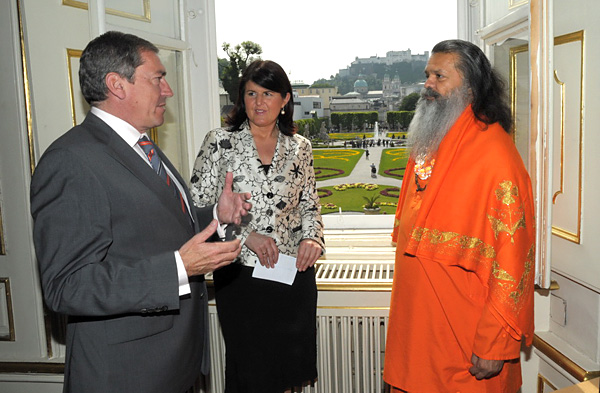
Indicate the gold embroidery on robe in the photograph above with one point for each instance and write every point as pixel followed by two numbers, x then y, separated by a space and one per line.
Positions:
pixel 508 219
pixel 500 273
pixel 525 282
pixel 452 243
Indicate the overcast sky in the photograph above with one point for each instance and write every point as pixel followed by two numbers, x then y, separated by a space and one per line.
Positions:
pixel 313 39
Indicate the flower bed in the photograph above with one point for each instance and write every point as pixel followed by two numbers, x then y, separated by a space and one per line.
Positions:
pixel 393 192
pixel 329 206
pixel 323 192
pixel 366 186
pixel 390 172
pixel 334 172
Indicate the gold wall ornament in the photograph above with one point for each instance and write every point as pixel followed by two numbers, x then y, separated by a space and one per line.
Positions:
pixel 78 104
pixel 516 3
pixel 2 246
pixel 563 96
pixel 144 15
pixel 513 77
pixel 7 324
pixel 566 363
pixel 153 134
pixel 26 91
pixel 542 383
pixel 571 234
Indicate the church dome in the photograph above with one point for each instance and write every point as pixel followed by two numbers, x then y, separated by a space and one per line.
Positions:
pixel 360 83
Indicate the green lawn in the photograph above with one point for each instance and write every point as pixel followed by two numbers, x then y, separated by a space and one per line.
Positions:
pixel 351 199
pixel 334 163
pixel 339 163
pixel 393 160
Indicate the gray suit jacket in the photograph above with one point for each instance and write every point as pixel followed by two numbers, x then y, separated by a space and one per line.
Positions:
pixel 105 231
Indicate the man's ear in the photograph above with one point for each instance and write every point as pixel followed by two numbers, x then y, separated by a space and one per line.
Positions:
pixel 115 84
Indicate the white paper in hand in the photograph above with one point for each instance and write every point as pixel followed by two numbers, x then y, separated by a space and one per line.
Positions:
pixel 283 272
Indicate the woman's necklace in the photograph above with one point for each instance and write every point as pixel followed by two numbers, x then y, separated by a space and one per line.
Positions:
pixel 423 170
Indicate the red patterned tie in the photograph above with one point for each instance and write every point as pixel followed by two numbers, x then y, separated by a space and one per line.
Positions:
pixel 150 151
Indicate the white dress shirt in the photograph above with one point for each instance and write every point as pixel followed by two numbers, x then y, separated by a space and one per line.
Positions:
pixel 131 136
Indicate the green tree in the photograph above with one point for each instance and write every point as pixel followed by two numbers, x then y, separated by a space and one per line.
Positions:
pixel 336 120
pixel 346 121
pixel 360 118
pixel 239 57
pixel 373 117
pixel 393 118
pixel 409 103
pixel 405 118
pixel 400 119
pixel 321 85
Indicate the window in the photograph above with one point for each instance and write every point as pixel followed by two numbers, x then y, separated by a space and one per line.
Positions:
pixel 297 72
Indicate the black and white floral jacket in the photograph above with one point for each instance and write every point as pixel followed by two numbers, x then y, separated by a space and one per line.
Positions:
pixel 285 203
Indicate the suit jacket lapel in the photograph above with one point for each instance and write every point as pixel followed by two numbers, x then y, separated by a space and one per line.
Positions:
pixel 121 152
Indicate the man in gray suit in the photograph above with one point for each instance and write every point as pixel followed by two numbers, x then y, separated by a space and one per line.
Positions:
pixel 117 238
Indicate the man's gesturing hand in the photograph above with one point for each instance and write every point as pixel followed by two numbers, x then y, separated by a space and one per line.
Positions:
pixel 232 206
pixel 200 257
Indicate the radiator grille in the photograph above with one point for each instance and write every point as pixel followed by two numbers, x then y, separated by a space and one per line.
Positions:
pixel 356 271
pixel 350 353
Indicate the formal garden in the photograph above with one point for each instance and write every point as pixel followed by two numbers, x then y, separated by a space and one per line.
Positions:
pixel 380 195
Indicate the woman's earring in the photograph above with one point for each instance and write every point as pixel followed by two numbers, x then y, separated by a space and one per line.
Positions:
pixel 282 111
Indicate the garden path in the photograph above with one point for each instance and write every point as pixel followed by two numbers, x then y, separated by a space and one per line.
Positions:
pixel 362 172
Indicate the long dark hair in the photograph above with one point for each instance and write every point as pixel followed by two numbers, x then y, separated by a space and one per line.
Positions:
pixel 490 100
pixel 269 75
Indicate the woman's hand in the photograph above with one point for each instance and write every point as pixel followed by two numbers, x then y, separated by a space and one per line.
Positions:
pixel 264 247
pixel 308 253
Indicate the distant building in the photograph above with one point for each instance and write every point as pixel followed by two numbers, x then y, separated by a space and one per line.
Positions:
pixel 415 88
pixel 307 107
pixel 392 57
pixel 361 100
pixel 224 101
pixel 326 94
pixel 391 87
pixel 360 86
pixel 367 64
pixel 350 104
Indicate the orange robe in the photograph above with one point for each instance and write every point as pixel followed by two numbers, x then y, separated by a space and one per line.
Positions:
pixel 463 279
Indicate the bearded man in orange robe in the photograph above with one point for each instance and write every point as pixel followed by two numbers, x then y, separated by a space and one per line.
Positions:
pixel 462 297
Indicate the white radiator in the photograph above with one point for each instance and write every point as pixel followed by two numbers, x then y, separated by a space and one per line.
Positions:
pixel 350 352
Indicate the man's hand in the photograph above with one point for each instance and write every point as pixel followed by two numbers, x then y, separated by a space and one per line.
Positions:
pixel 264 247
pixel 200 257
pixel 308 253
pixel 232 206
pixel 483 368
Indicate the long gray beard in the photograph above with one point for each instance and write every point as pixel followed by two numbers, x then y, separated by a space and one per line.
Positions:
pixel 433 119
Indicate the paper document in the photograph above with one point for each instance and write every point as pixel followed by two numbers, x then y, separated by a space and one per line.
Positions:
pixel 283 272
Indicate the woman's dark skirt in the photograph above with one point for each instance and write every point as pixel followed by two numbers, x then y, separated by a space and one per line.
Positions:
pixel 269 330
